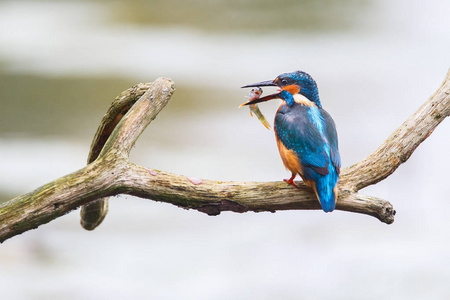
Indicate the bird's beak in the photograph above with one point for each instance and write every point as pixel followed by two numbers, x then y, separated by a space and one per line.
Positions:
pixel 262 83
pixel 262 99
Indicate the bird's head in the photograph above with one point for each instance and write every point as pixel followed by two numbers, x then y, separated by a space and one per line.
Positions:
pixel 289 84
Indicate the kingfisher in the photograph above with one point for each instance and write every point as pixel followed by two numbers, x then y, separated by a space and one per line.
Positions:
pixel 306 135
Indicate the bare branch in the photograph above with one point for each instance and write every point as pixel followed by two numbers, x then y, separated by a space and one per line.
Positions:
pixel 401 143
pixel 212 197
pixel 111 173
pixel 97 180
pixel 119 129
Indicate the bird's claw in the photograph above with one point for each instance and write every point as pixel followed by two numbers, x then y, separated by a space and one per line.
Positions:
pixel 290 181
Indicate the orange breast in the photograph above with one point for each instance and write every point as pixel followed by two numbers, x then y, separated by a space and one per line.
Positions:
pixel 290 159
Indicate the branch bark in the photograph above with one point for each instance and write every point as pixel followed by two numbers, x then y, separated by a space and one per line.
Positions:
pixel 109 171
pixel 399 146
pixel 93 213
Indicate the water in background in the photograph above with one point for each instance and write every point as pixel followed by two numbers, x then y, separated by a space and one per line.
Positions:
pixel 376 62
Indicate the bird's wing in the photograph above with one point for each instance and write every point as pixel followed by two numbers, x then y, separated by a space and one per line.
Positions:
pixel 331 135
pixel 297 132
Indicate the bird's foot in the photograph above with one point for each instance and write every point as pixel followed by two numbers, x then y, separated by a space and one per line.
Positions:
pixel 291 181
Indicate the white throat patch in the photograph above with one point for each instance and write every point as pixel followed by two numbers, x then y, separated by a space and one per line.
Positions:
pixel 300 99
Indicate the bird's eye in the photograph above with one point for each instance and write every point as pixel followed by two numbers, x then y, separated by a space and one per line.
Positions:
pixel 284 82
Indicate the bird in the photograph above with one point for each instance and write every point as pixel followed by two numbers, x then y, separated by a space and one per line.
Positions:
pixel 306 135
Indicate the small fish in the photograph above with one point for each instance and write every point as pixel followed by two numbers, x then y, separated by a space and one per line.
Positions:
pixel 255 93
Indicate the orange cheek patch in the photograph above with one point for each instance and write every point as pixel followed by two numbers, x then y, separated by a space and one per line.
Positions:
pixel 293 89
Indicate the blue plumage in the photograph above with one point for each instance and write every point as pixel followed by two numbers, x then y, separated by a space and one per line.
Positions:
pixel 306 135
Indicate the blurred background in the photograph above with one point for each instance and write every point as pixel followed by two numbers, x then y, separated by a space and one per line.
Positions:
pixel 63 62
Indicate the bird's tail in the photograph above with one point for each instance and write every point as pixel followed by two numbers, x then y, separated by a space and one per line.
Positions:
pixel 326 191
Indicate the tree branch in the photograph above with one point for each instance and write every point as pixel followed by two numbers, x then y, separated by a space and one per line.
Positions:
pixel 109 171
pixel 399 146
pixel 123 137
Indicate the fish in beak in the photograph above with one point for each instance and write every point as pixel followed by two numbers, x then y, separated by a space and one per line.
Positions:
pixel 262 99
